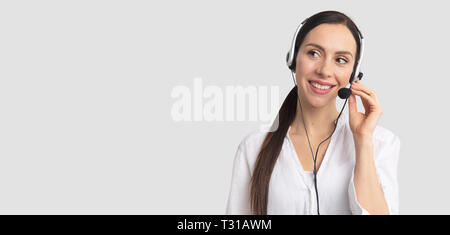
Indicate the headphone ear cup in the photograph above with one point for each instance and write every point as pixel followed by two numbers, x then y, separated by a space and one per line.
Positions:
pixel 289 61
pixel 360 75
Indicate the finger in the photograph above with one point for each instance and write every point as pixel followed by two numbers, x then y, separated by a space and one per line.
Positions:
pixel 366 105
pixel 362 87
pixel 372 93
pixel 369 103
pixel 367 91
pixel 363 101
pixel 352 104
pixel 352 109
pixel 365 98
pixel 370 109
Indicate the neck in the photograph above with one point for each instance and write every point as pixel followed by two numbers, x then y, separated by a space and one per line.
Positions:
pixel 319 122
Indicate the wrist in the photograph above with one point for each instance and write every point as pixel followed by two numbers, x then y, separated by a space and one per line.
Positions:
pixel 363 149
pixel 363 140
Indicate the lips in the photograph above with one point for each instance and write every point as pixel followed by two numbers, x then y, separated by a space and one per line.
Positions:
pixel 322 83
pixel 321 88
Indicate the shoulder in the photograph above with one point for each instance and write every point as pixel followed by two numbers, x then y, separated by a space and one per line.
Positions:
pixel 251 143
pixel 386 144
pixel 385 136
pixel 252 140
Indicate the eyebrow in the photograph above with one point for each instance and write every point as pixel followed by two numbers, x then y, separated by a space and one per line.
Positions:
pixel 321 48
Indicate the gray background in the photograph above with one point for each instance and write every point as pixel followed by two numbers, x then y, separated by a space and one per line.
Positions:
pixel 85 98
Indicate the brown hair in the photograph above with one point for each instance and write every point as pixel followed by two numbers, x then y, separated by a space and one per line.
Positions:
pixel 271 147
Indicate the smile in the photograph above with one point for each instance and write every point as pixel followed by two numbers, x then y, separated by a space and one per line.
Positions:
pixel 319 88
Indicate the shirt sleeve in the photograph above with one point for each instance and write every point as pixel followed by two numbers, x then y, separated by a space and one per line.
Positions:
pixel 239 195
pixel 386 162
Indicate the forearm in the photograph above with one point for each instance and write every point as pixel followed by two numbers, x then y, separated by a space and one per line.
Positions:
pixel 368 190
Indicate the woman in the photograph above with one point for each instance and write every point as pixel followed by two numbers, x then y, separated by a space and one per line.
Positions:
pixel 355 169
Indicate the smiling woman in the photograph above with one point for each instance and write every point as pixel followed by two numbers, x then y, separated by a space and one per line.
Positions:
pixel 355 171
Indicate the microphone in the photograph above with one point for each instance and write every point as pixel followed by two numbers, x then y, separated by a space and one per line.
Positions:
pixel 344 93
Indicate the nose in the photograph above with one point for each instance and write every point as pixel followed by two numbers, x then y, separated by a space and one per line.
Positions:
pixel 325 68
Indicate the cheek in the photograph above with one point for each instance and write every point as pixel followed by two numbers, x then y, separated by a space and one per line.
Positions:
pixel 304 66
pixel 344 76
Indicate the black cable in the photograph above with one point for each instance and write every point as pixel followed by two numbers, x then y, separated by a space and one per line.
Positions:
pixel 309 143
pixel 315 158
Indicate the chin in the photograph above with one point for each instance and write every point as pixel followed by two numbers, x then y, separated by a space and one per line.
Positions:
pixel 318 102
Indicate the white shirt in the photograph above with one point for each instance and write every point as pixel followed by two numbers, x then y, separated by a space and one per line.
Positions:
pixel 291 189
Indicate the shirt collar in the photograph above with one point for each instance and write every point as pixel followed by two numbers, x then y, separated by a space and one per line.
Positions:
pixel 343 119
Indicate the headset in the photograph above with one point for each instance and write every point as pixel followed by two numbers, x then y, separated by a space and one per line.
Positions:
pixel 343 93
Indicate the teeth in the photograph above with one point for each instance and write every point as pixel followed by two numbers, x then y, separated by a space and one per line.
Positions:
pixel 320 86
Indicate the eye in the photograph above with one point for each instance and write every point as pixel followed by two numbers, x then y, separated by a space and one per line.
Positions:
pixel 342 59
pixel 312 52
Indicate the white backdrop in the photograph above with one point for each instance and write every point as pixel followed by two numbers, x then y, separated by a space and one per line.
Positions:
pixel 87 98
